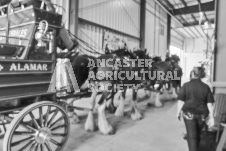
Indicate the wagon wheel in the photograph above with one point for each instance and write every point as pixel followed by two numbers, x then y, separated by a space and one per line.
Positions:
pixel 42 126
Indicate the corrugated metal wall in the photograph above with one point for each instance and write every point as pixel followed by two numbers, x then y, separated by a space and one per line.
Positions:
pixel 118 15
pixel 121 15
pixel 93 36
pixel 177 39
pixel 156 29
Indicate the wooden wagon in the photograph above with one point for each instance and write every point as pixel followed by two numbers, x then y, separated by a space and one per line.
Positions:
pixel 31 116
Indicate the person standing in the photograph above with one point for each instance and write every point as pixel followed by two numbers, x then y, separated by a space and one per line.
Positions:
pixel 195 104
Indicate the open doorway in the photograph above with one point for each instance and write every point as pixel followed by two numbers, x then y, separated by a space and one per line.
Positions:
pixel 180 53
pixel 177 51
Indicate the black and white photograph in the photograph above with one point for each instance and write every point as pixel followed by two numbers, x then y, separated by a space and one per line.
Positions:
pixel 112 75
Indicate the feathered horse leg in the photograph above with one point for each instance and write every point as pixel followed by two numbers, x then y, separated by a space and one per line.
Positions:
pixel 103 124
pixel 90 124
pixel 158 103
pixel 110 103
pixel 120 109
pixel 135 113
pixel 71 113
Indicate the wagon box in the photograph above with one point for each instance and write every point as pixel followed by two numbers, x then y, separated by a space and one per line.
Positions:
pixel 23 27
pixel 26 67
pixel 27 63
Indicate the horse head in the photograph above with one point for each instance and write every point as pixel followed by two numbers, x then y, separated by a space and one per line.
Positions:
pixel 124 53
pixel 156 59
pixel 174 61
pixel 141 54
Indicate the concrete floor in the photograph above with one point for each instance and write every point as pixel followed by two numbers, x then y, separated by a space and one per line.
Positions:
pixel 159 130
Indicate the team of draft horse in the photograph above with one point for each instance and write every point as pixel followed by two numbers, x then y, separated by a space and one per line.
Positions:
pixel 42 122
pixel 82 69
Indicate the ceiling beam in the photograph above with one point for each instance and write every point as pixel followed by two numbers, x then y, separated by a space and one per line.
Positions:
pixel 195 20
pixel 209 6
pixel 185 5
pixel 202 11
pixel 168 4
pixel 197 23
pixel 167 11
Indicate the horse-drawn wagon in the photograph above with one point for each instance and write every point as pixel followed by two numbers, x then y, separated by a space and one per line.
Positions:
pixel 35 116
pixel 35 119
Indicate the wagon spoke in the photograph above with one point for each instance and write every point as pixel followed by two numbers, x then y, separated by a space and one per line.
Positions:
pixel 41 147
pixel 36 148
pixel 60 126
pixel 41 117
pixel 33 129
pixel 52 118
pixel 56 121
pixel 23 133
pixel 48 146
pixel 4 127
pixel 59 134
pixel 50 112
pixel 34 120
pixel 32 147
pixel 21 141
pixel 47 115
pixel 25 146
pixel 28 127
pixel 55 142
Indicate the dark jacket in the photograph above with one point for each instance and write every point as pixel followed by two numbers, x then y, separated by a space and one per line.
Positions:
pixel 196 95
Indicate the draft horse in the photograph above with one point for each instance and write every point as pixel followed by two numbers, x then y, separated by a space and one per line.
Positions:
pixel 115 68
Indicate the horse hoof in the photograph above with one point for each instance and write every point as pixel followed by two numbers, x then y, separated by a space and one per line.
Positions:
pixel 150 104
pixel 111 109
pixel 74 120
pixel 112 132
pixel 136 116
pixel 109 131
pixel 91 129
pixel 159 105
pixel 73 117
pixel 117 114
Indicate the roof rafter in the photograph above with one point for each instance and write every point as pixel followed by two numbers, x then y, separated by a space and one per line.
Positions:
pixel 208 6
pixel 201 10
pixel 197 23
pixel 185 5
pixel 168 3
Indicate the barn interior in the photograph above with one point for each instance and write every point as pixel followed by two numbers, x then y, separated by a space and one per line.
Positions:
pixel 193 30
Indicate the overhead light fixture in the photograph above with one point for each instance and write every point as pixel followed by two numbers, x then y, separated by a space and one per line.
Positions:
pixel 200 18
pixel 200 13
pixel 206 25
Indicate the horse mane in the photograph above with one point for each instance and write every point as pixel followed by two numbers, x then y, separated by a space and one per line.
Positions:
pixel 124 52
pixel 157 59
pixel 175 58
pixel 141 54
